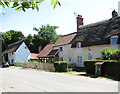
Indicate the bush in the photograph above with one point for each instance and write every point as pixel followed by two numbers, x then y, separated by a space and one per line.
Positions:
pixel 19 61
pixel 61 66
pixel 109 68
pixel 108 54
pixel 34 62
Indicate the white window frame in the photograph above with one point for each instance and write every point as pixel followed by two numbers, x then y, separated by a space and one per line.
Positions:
pixel 78 45
pixel 79 59
pixel 111 40
pixel 69 60
pixel 89 57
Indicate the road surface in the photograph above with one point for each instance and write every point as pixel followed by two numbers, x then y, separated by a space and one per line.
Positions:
pixel 29 80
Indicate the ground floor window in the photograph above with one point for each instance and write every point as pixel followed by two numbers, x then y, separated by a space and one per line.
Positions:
pixel 79 59
pixel 89 57
pixel 61 59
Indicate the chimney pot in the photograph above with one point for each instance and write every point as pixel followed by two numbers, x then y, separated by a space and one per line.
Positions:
pixel 114 14
pixel 22 37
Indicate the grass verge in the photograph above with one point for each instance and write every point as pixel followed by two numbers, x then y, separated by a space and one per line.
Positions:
pixel 15 67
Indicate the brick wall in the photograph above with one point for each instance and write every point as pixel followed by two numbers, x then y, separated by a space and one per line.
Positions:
pixel 0 51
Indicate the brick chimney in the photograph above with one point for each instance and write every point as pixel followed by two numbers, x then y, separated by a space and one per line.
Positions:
pixel 79 22
pixel 114 14
pixel 39 48
pixel 22 37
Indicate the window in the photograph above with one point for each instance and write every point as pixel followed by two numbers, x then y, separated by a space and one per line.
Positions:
pixel 25 47
pixel 61 59
pixel 69 60
pixel 79 59
pixel 61 49
pixel 78 45
pixel 12 53
pixel 89 57
pixel 114 40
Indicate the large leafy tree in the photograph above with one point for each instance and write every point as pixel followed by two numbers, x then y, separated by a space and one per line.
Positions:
pixel 25 4
pixel 46 34
pixel 10 37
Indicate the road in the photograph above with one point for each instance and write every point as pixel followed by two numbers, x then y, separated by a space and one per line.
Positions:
pixel 29 80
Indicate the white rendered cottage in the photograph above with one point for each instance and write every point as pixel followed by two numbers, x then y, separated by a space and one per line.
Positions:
pixel 17 51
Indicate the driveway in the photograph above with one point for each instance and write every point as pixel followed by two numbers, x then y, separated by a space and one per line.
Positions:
pixel 29 80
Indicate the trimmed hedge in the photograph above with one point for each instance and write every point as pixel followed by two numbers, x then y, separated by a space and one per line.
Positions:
pixel 61 66
pixel 109 68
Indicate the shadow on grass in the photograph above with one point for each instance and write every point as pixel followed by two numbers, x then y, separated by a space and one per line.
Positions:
pixel 88 75
pixel 94 76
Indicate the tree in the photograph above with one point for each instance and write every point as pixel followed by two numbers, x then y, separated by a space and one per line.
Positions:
pixel 10 37
pixel 46 34
pixel 26 4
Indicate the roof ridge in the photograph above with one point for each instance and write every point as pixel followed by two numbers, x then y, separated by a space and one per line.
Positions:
pixel 68 34
pixel 16 42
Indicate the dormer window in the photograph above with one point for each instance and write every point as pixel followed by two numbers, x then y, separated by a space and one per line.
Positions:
pixel 114 40
pixel 79 45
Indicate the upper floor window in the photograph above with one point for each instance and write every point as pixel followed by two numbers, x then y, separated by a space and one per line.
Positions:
pixel 78 45
pixel 69 60
pixel 61 49
pixel 114 40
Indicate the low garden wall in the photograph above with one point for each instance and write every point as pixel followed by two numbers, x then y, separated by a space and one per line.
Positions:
pixel 109 67
pixel 40 66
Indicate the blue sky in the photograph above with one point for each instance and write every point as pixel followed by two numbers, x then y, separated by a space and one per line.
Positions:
pixel 62 16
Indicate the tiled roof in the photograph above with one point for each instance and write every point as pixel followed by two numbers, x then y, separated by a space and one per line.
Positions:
pixel 53 52
pixel 13 47
pixel 34 56
pixel 65 39
pixel 47 49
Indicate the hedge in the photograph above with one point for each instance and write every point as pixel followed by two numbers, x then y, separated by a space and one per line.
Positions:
pixel 109 68
pixel 61 66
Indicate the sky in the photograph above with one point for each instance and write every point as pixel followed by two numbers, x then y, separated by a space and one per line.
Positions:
pixel 62 16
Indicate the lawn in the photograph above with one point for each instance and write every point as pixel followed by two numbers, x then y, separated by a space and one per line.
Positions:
pixel 15 67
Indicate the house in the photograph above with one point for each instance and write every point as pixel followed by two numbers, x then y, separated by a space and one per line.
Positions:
pixel 48 54
pixel 0 51
pixel 17 51
pixel 33 57
pixel 92 38
pixel 87 42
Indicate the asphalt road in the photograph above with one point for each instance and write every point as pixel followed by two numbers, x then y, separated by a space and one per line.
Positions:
pixel 24 80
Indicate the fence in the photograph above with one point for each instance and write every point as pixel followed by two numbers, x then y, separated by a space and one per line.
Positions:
pixel 40 66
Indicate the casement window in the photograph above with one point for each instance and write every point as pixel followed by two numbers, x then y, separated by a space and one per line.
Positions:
pixel 61 48
pixel 69 60
pixel 78 45
pixel 114 40
pixel 89 57
pixel 61 59
pixel 79 59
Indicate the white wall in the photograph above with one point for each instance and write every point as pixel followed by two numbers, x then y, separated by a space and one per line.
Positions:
pixel 11 56
pixel 22 53
pixel 73 53
pixel 119 8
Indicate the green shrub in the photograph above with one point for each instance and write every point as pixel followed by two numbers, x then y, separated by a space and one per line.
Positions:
pixel 61 66
pixel 108 54
pixel 34 62
pixel 109 67
pixel 19 61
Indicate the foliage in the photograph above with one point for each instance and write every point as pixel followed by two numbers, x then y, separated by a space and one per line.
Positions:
pixel 61 66
pixel 19 61
pixel 10 37
pixel 33 62
pixel 26 4
pixel 109 67
pixel 108 54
